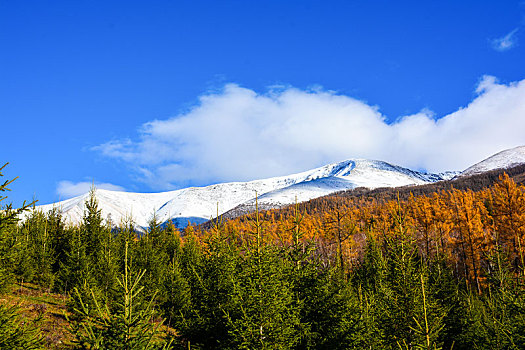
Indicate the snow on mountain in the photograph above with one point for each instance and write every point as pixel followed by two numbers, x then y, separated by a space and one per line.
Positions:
pixel 502 160
pixel 198 204
pixel 448 175
pixel 344 176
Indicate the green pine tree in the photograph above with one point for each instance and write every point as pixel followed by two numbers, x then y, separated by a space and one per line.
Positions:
pixel 127 325
pixel 15 333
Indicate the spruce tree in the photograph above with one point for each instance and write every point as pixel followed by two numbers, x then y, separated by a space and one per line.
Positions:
pixel 14 332
pixel 408 316
pixel 175 295
pixel 204 291
pixel 40 250
pixel 497 318
pixel 262 314
pixel 94 234
pixel 10 250
pixel 152 256
pixel 127 325
pixel 8 229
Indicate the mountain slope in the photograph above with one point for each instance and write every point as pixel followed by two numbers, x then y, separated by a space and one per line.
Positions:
pixel 199 204
pixel 344 176
pixel 502 160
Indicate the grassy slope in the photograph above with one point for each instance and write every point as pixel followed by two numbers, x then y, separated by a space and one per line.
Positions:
pixel 46 308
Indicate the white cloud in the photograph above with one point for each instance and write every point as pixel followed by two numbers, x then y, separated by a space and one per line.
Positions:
pixel 237 134
pixel 67 189
pixel 506 42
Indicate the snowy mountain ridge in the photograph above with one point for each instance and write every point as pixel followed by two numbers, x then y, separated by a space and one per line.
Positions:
pixel 199 204
pixel 501 160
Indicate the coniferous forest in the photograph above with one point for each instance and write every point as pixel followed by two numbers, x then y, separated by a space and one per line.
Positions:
pixel 444 270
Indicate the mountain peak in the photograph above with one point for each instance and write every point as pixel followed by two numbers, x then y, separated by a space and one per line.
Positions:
pixel 501 160
pixel 198 204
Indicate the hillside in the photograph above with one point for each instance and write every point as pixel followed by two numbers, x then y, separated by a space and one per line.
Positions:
pixel 502 160
pixel 352 177
pixel 479 176
pixel 199 204
pixel 475 182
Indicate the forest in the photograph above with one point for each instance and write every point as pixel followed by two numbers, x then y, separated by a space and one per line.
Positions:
pixel 437 270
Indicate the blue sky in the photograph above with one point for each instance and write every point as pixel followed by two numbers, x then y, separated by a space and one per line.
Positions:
pixel 155 95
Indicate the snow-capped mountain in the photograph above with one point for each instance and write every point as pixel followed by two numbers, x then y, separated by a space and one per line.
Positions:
pixel 199 204
pixel 344 176
pixel 502 160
